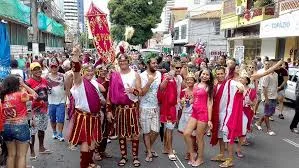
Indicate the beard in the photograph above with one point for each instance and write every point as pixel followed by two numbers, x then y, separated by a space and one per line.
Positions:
pixel 152 70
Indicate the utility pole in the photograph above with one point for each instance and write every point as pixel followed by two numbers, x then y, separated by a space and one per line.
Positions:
pixel 34 8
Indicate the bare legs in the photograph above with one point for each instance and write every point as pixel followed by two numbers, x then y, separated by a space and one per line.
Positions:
pixel 191 125
pixel 201 128
pixel 17 154
pixel 149 140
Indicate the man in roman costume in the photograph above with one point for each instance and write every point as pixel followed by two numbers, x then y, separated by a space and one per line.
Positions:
pixel 86 92
pixel 124 89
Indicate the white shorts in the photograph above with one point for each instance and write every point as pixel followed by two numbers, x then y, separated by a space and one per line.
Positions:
pixel 223 135
pixel 149 120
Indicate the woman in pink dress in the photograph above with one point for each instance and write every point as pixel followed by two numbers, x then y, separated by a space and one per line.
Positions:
pixel 201 116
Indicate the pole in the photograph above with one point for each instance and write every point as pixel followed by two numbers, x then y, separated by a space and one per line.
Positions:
pixel 34 7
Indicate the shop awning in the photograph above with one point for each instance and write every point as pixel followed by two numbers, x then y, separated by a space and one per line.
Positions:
pixel 16 11
pixel 208 15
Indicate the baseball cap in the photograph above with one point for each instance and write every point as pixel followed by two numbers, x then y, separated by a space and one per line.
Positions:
pixel 34 65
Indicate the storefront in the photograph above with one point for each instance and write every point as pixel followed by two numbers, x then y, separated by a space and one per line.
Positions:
pixel 247 37
pixel 286 30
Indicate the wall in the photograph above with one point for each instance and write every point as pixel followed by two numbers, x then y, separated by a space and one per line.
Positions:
pixel 205 30
pixel 16 50
pixel 290 45
pixel 269 48
pixel 180 24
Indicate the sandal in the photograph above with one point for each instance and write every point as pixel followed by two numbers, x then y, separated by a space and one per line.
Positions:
pixel 187 156
pixel 172 157
pixel 33 158
pixel 94 166
pixel 198 164
pixel 239 155
pixel 218 158
pixel 122 161
pixel 136 162
pixel 148 159
pixel 228 163
pixel 98 157
pixel 47 151
pixel 155 154
pixel 246 143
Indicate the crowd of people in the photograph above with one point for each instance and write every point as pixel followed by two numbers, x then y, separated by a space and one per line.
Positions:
pixel 139 95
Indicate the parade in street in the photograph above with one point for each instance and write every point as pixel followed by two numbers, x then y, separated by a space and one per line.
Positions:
pixel 149 83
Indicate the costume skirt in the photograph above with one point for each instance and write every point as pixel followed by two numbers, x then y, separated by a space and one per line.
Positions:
pixel 127 120
pixel 86 128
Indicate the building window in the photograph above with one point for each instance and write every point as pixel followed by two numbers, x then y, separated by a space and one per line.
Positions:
pixel 176 33
pixel 183 32
pixel 196 1
pixel 216 25
pixel 252 48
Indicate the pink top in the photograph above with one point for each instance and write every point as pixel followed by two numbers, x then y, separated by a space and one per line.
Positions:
pixel 200 104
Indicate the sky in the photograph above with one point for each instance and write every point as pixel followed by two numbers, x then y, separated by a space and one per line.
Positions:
pixel 101 4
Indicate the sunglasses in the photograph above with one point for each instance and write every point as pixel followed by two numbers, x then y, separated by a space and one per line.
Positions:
pixel 178 67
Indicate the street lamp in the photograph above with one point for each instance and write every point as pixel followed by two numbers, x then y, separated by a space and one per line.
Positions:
pixel 150 2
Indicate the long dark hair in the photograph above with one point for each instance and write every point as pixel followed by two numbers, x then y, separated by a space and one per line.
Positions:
pixel 9 85
pixel 210 82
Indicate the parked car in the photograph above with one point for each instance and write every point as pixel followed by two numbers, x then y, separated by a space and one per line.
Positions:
pixel 291 84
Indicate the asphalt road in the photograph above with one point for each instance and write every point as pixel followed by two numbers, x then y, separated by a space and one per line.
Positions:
pixel 280 151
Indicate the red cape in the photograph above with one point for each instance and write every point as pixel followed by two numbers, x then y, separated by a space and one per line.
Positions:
pixel 235 120
pixel 215 112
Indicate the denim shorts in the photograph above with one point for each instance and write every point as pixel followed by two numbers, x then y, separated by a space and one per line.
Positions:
pixel 57 113
pixel 269 109
pixel 18 132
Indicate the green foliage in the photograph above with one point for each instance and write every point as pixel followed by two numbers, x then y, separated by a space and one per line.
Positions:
pixel 139 14
pixel 118 32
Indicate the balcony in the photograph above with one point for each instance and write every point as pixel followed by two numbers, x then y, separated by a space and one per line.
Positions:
pixel 256 15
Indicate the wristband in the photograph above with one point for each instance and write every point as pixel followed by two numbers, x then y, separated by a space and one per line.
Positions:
pixel 135 92
pixel 76 66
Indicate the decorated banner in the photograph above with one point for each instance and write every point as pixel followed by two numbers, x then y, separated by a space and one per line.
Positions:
pixel 4 52
pixel 101 34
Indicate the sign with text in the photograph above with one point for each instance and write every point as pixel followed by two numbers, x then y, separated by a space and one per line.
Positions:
pixel 239 54
pixel 284 26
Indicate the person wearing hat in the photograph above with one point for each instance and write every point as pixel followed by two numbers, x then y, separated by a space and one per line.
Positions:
pixel 39 107
pixel 124 89
pixel 56 99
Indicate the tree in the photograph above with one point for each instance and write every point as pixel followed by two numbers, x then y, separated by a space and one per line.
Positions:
pixel 118 32
pixel 142 15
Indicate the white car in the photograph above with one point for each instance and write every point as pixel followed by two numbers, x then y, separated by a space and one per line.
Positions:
pixel 291 84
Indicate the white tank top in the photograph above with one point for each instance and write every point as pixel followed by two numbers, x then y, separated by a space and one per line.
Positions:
pixel 129 80
pixel 79 94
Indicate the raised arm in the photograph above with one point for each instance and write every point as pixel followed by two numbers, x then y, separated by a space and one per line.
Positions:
pixel 77 78
pixel 256 76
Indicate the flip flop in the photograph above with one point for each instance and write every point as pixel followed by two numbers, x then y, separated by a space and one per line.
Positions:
pixel 148 159
pixel 33 158
pixel 47 151
pixel 172 157
pixel 155 154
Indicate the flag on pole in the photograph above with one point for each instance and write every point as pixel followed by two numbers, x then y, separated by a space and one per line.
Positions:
pixel 101 34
